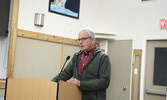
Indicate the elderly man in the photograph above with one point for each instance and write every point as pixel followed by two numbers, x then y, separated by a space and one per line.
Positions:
pixel 90 68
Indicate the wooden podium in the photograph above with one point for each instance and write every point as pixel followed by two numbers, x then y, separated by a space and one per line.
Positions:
pixel 40 89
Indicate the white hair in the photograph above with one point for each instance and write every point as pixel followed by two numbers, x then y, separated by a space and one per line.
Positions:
pixel 90 31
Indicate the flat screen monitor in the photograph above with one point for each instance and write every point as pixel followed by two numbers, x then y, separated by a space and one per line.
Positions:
pixel 4 17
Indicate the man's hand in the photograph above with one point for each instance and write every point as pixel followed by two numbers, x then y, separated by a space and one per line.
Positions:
pixel 75 81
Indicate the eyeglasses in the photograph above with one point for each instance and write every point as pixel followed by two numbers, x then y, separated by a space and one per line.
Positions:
pixel 83 39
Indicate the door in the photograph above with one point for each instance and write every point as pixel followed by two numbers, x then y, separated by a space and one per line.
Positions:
pixel 120 53
pixel 149 87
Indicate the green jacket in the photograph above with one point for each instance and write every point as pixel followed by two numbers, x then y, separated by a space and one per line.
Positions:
pixel 95 77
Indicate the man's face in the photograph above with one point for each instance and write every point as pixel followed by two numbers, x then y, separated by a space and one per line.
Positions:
pixel 85 42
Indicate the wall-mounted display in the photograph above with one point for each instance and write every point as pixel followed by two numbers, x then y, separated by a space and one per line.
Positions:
pixel 4 17
pixel 68 8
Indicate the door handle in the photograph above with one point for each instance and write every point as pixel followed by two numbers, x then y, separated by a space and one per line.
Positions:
pixel 124 88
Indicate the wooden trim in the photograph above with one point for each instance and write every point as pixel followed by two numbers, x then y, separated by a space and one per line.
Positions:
pixel 139 73
pixel 133 77
pixel 46 37
pixel 2 83
pixel 137 52
pixel 62 56
pixel 103 50
pixel 13 38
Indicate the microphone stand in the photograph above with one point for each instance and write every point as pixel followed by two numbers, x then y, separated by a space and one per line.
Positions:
pixel 68 57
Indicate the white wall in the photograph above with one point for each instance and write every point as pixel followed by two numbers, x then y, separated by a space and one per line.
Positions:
pixel 127 18
pixel 56 24
pixel 133 18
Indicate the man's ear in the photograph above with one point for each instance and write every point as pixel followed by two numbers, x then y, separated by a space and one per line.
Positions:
pixel 93 40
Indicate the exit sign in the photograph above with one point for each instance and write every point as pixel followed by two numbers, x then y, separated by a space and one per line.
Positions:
pixel 163 23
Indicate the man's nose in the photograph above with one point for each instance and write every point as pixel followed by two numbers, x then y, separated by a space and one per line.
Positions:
pixel 80 42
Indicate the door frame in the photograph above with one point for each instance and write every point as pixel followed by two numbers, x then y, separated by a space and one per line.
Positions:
pixel 143 63
pixel 137 52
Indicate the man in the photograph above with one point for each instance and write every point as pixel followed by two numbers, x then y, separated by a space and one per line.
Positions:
pixel 90 68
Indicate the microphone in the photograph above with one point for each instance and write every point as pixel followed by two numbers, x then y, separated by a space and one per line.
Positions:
pixel 68 57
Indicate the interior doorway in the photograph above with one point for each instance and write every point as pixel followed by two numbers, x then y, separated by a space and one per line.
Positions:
pixel 148 90
pixel 153 92
pixel 120 54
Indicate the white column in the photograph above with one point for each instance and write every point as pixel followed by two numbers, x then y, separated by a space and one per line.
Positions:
pixel 106 47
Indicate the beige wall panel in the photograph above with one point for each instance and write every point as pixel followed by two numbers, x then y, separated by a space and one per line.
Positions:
pixel 36 58
pixel 70 50
pixel 150 70
pixel 2 91
pixel 120 53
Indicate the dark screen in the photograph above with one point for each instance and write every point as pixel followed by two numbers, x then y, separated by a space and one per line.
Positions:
pixel 160 67
pixel 4 17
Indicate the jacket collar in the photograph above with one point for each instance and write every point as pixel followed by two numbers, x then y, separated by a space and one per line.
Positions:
pixel 96 51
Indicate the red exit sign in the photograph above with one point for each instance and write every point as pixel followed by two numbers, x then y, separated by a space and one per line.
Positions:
pixel 163 23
